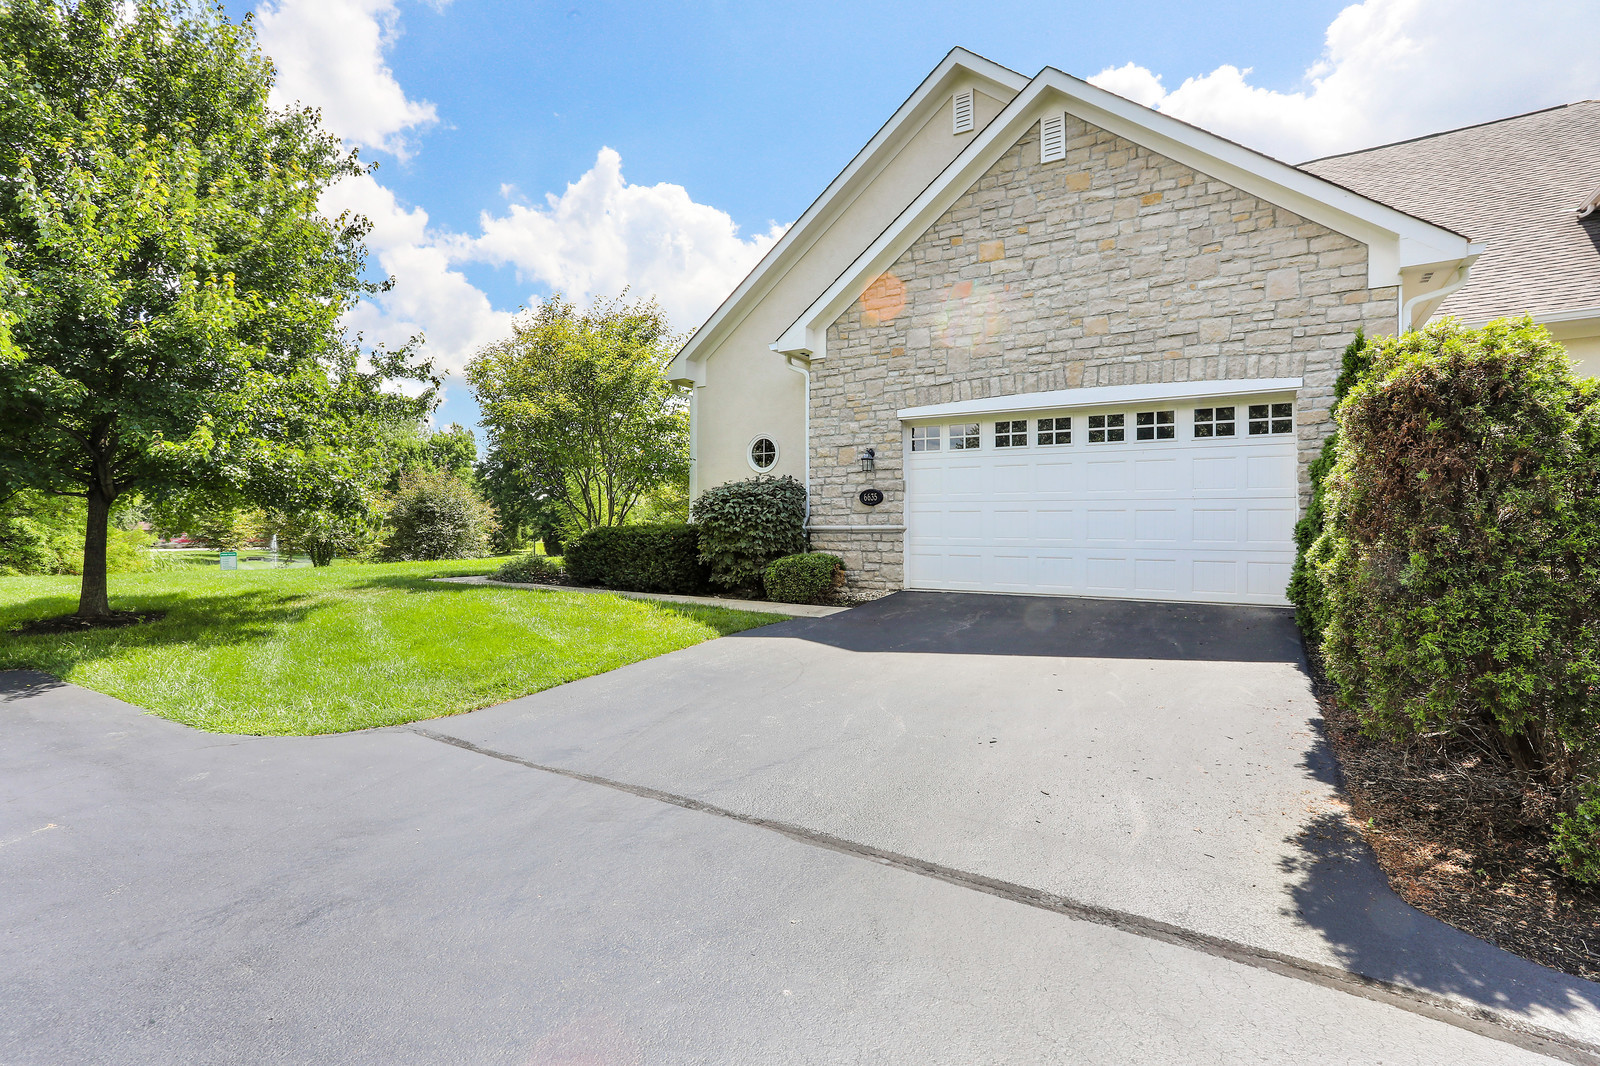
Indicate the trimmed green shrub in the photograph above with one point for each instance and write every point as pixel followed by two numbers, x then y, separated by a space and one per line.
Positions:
pixel 1575 844
pixel 42 534
pixel 803 578
pixel 745 525
pixel 1460 557
pixel 642 558
pixel 1305 588
pixel 530 568
pixel 436 515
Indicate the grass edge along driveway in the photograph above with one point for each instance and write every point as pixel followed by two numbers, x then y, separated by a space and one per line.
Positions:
pixel 305 651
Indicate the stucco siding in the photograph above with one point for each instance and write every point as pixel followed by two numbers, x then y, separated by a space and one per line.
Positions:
pixel 747 389
pixel 1116 266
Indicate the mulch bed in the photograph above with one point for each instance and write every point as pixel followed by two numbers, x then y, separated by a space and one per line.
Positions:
pixel 1461 839
pixel 71 623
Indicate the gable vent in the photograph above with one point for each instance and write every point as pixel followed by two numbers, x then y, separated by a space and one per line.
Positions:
pixel 1052 138
pixel 963 112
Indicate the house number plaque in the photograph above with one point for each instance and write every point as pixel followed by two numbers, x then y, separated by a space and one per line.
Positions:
pixel 870 497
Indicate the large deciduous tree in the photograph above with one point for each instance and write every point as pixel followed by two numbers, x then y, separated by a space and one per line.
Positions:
pixel 580 403
pixel 172 295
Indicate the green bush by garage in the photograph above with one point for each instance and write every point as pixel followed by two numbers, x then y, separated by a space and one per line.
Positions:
pixel 745 525
pixel 662 557
pixel 1457 567
pixel 808 577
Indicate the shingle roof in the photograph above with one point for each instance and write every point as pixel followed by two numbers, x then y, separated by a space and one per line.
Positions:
pixel 1513 184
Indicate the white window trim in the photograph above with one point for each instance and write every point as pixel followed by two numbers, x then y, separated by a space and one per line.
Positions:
pixel 1293 418
pixel 777 453
pixel 1156 424
pixel 1237 422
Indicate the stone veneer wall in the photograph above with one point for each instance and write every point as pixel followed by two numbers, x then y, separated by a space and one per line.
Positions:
pixel 1116 266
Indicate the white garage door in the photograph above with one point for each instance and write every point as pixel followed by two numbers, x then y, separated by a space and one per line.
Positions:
pixel 1193 500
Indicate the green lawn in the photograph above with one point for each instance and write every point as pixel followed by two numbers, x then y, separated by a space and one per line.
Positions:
pixel 299 651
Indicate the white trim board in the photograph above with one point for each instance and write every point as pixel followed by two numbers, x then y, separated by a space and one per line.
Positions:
pixel 1101 396
pixel 1395 240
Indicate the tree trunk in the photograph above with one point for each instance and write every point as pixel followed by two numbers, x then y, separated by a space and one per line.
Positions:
pixel 93 601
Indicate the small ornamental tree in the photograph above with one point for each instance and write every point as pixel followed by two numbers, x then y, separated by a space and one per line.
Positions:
pixel 323 535
pixel 579 403
pixel 172 293
pixel 1460 557
pixel 745 525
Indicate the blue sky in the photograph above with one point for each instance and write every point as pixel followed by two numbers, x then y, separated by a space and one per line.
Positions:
pixel 725 120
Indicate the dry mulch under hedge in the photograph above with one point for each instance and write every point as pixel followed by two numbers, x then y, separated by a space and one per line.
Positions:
pixel 1460 838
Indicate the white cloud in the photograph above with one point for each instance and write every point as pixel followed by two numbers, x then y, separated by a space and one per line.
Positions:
pixel 600 236
pixel 428 296
pixel 1392 69
pixel 330 55
pixel 1132 81
pixel 603 235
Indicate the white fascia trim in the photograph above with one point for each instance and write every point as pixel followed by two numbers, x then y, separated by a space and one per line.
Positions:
pixel 1101 396
pixel 799 238
pixel 1394 239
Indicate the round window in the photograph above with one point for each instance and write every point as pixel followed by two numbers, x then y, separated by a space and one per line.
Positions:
pixel 763 453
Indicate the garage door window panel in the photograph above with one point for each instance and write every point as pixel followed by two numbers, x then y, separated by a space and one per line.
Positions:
pixel 1107 429
pixel 1271 418
pixel 925 438
pixel 1055 431
pixel 1013 434
pixel 964 437
pixel 1155 425
pixel 1215 422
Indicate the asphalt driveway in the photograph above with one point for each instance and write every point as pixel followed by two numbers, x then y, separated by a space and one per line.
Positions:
pixel 937 828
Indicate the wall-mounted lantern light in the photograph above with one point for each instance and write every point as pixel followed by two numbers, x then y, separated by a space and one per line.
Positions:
pixel 869 460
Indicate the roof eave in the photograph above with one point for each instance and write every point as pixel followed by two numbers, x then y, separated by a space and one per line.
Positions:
pixel 1410 240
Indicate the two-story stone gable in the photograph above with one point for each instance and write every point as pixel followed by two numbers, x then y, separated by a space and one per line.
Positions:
pixel 1093 356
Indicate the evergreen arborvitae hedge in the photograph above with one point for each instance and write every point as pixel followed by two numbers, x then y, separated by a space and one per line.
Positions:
pixel 1305 590
pixel 1459 559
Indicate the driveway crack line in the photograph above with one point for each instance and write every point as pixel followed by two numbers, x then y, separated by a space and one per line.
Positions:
pixel 1479 1020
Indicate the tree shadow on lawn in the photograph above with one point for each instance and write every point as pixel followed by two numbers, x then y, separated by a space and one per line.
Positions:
pixel 724 620
pixel 1338 889
pixel 237 616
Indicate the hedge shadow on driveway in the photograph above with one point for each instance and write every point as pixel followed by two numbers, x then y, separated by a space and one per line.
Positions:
pixel 1338 889
pixel 973 623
